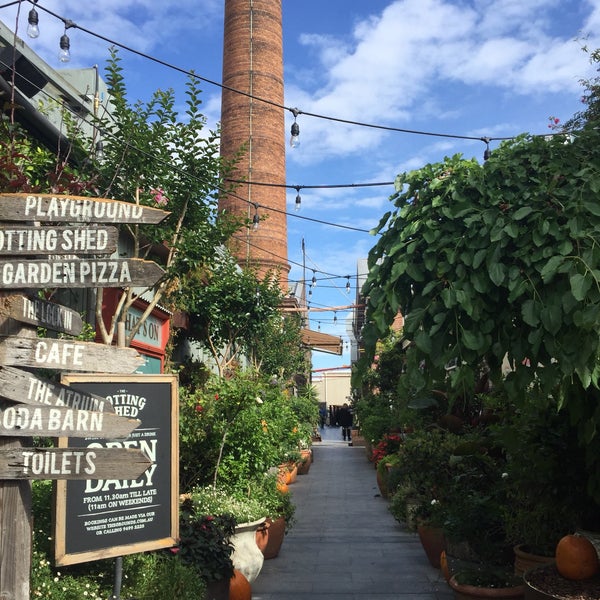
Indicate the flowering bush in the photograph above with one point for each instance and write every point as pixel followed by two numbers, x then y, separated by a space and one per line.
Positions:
pixel 204 541
pixel 389 444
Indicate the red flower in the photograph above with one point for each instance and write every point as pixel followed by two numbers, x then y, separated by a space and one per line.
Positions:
pixel 199 408
pixel 216 396
pixel 174 550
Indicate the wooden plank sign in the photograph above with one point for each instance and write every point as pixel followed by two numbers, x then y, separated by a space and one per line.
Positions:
pixel 68 355
pixel 74 273
pixel 75 209
pixel 72 463
pixel 21 419
pixel 25 387
pixel 41 313
pixel 58 240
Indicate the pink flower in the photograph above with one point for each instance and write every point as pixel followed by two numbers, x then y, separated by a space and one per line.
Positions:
pixel 159 197
pixel 174 550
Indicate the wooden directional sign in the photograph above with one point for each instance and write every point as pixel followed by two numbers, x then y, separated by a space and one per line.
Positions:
pixel 72 463
pixel 21 419
pixel 75 209
pixel 41 313
pixel 25 387
pixel 68 355
pixel 75 273
pixel 58 240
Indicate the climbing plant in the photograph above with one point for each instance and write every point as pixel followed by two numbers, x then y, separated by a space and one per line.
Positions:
pixel 496 266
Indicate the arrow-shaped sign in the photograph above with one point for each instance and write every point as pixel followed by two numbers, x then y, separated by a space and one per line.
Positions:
pixel 75 273
pixel 25 420
pixel 75 209
pixel 72 463
pixel 25 387
pixel 41 313
pixel 68 355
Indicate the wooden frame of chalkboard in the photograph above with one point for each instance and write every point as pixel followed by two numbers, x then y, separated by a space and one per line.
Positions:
pixel 98 519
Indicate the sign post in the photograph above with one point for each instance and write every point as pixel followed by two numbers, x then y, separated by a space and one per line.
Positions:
pixel 65 256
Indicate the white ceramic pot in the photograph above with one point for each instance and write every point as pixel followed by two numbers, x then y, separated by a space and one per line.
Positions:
pixel 247 556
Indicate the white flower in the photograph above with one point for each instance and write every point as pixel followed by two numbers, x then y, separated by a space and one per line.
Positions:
pixel 259 400
pixel 434 502
pixel 504 475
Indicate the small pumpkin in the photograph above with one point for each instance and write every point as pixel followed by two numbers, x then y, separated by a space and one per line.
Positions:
pixel 444 566
pixel 239 587
pixel 576 557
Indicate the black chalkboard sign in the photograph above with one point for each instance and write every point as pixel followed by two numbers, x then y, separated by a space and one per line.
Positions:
pixel 98 519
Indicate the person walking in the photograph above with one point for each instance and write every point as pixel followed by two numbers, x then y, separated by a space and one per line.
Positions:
pixel 344 418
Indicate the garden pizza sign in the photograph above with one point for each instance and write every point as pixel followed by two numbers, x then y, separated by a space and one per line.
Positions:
pixel 49 241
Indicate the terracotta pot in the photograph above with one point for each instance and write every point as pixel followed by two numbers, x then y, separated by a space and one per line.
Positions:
pixel 546 583
pixel 217 590
pixel 382 484
pixel 275 540
pixel 433 542
pixel 304 464
pixel 524 561
pixel 262 535
pixel 239 587
pixel 283 475
pixel 293 474
pixel 471 592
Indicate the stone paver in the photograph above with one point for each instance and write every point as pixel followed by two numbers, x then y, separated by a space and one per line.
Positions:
pixel 345 543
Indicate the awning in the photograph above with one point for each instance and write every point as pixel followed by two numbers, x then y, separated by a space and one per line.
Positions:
pixel 322 342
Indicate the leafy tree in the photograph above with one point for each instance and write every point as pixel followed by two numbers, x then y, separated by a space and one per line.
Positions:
pixel 499 264
pixel 155 157
pixel 230 309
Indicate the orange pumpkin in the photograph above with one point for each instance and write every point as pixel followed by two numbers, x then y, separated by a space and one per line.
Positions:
pixel 283 487
pixel 576 557
pixel 239 587
pixel 444 566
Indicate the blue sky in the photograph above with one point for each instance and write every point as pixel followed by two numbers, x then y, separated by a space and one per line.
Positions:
pixel 482 68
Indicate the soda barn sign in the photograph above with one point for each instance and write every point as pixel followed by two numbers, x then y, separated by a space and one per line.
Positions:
pixel 23 419
pixel 116 515
pixel 45 408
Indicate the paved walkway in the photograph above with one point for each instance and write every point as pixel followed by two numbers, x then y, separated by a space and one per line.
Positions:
pixel 345 543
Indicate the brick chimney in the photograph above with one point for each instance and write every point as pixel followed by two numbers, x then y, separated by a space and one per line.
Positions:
pixel 253 64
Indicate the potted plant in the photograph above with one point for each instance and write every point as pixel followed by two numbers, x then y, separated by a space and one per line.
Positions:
pixel 205 544
pixel 249 514
pixel 545 481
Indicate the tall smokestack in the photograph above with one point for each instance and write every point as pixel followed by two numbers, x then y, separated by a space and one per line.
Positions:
pixel 253 64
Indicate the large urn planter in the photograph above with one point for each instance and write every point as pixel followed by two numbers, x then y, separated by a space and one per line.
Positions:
pixel 473 592
pixel 239 587
pixel 262 535
pixel 275 539
pixel 247 557
pixel 545 583
pixel 525 561
pixel 433 542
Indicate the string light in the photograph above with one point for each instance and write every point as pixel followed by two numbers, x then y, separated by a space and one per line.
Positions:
pixel 348 284
pixel 64 54
pixel 33 31
pixel 487 152
pixel 295 130
pixel 298 199
pixel 255 218
pixel 313 281
pixel 294 111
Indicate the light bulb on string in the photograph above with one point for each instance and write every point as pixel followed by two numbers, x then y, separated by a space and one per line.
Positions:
pixel 335 317
pixel 99 151
pixel 348 284
pixel 487 152
pixel 255 218
pixel 64 54
pixel 295 130
pixel 33 30
pixel 298 199
pixel 313 281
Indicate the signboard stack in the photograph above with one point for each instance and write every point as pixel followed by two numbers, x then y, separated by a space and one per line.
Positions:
pixel 76 253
